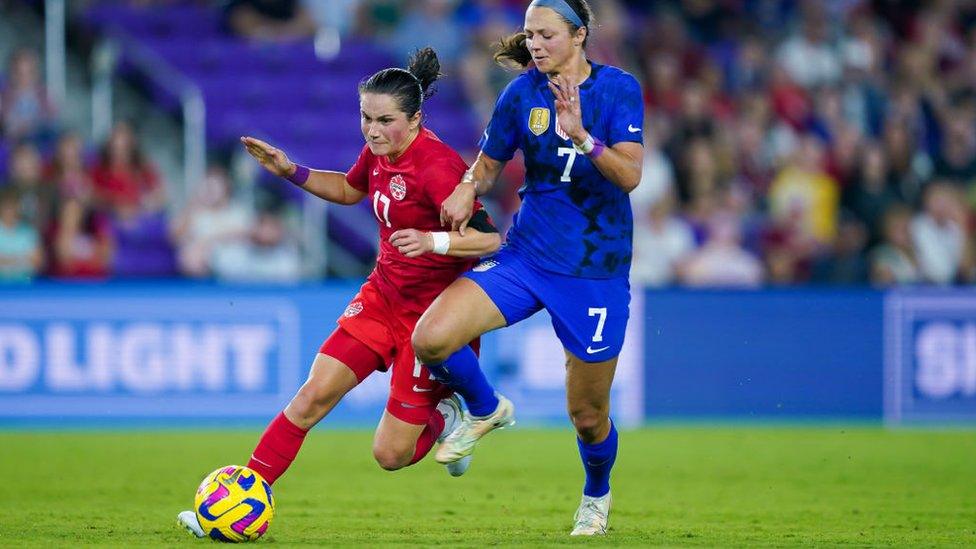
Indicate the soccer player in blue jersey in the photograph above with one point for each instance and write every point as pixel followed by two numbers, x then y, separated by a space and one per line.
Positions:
pixel 579 125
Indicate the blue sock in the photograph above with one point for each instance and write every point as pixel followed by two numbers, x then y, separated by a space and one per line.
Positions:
pixel 462 373
pixel 597 461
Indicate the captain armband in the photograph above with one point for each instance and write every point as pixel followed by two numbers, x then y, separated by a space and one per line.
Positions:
pixel 481 222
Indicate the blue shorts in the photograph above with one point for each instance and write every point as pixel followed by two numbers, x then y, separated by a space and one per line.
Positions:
pixel 589 315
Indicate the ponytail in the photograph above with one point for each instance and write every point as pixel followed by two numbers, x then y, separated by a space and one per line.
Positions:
pixel 410 86
pixel 512 52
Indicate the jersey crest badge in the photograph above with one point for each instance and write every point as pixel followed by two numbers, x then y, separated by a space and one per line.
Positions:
pixel 353 309
pixel 538 120
pixel 398 187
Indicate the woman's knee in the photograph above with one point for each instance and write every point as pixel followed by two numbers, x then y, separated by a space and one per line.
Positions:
pixel 431 340
pixel 390 458
pixel 592 424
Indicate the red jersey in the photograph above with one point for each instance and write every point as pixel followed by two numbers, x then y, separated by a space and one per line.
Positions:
pixel 407 194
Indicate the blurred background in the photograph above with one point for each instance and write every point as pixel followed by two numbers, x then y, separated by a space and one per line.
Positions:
pixel 803 231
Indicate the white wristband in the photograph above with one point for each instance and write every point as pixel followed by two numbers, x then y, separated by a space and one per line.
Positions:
pixel 442 242
pixel 586 147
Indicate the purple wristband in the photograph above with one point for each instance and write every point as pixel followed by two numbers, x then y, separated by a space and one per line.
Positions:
pixel 598 147
pixel 300 176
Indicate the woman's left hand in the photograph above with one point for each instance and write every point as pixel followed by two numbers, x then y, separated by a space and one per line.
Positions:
pixel 411 242
pixel 569 116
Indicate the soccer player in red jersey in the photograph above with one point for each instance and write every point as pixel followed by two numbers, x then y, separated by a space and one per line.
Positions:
pixel 406 172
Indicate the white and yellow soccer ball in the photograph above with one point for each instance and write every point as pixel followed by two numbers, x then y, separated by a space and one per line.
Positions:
pixel 234 504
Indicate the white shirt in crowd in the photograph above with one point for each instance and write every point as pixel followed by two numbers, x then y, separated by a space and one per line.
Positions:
pixel 939 248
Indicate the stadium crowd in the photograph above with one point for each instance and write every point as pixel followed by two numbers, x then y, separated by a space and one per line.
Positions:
pixel 785 143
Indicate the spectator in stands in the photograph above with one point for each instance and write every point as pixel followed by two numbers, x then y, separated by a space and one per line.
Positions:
pixel 809 56
pixel 956 161
pixel 697 179
pixel 909 164
pixel 67 170
pixel 662 240
pixel 21 253
pixel 722 261
pixel 211 220
pixel 846 263
pixel 482 78
pixel 269 255
pixel 25 111
pixel 804 196
pixel 37 196
pixel 609 40
pixel 81 241
pixel 872 190
pixel 894 260
pixel 125 182
pixel 753 156
pixel 938 234
pixel 416 30
pixel 269 20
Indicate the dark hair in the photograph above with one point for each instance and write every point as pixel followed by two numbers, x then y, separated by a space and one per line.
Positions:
pixel 410 86
pixel 511 50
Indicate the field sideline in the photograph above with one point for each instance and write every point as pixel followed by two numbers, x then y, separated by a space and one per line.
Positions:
pixel 673 485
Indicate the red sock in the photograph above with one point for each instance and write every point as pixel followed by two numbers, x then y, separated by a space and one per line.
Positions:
pixel 427 438
pixel 277 448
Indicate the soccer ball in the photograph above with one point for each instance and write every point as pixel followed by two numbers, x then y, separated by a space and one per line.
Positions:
pixel 234 504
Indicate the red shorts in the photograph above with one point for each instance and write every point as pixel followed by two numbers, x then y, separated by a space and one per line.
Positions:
pixel 385 331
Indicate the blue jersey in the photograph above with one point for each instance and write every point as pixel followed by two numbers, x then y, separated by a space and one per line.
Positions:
pixel 572 220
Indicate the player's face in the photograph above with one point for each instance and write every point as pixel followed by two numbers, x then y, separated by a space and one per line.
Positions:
pixel 550 41
pixel 386 128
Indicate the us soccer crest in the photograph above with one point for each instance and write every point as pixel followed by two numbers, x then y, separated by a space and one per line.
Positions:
pixel 398 187
pixel 538 120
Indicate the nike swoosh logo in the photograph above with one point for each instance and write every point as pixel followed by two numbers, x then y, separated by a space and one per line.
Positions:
pixel 421 389
pixel 259 461
pixel 632 129
pixel 592 351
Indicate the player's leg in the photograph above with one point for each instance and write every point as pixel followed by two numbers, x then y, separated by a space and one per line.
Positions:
pixel 588 403
pixel 590 318
pixel 416 398
pixel 482 300
pixel 440 340
pixel 405 434
pixel 342 363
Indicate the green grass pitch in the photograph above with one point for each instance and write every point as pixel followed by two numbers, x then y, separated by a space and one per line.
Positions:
pixel 673 485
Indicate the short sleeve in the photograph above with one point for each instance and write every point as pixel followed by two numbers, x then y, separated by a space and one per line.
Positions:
pixel 441 177
pixel 501 138
pixel 358 174
pixel 627 120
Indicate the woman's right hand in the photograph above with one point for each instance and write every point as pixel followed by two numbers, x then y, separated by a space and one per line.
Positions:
pixel 273 159
pixel 457 209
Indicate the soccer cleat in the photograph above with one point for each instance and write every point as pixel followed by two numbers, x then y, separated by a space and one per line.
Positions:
pixel 453 413
pixel 188 520
pixel 459 467
pixel 592 516
pixel 461 442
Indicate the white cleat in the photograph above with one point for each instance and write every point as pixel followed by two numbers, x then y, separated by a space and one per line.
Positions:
pixel 461 442
pixel 188 520
pixel 453 414
pixel 459 467
pixel 592 516
pixel 452 411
